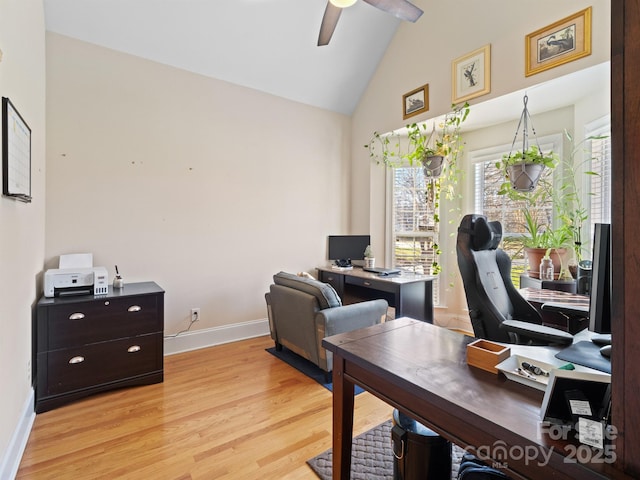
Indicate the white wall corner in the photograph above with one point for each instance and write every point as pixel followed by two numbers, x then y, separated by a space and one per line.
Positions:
pixel 13 454
pixel 215 336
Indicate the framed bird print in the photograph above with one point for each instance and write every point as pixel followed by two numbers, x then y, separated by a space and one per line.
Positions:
pixel 561 42
pixel 415 102
pixel 471 75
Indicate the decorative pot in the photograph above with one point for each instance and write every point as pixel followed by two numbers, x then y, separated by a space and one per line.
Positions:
pixel 534 255
pixel 432 165
pixel 524 176
pixel 369 262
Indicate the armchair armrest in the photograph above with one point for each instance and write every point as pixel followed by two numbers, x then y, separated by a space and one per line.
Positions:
pixel 537 332
pixel 350 317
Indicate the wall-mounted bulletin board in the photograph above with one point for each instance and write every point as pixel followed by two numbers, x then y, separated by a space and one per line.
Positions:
pixel 16 154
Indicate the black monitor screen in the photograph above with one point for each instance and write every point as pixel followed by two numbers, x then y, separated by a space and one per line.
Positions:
pixel 347 247
pixel 600 300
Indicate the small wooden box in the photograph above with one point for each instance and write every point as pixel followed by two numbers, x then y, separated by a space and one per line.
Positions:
pixel 486 355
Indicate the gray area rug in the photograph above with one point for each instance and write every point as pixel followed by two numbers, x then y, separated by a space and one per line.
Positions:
pixel 371 457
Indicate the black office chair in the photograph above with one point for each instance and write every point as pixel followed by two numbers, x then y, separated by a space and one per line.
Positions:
pixel 498 312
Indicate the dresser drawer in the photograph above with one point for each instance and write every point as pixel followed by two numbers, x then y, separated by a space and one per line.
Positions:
pixel 82 323
pixel 90 365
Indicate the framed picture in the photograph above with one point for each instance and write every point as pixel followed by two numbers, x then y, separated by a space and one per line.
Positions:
pixel 471 75
pixel 415 102
pixel 16 154
pixel 564 41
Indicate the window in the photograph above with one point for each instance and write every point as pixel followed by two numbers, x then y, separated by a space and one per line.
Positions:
pixel 596 189
pixel 599 185
pixel 414 226
pixel 487 181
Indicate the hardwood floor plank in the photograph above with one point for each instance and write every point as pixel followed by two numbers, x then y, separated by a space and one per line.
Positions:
pixel 227 412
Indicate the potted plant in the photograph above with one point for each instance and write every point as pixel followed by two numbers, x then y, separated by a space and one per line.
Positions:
pixel 435 149
pixel 369 257
pixel 522 169
pixel 542 240
pixel 568 200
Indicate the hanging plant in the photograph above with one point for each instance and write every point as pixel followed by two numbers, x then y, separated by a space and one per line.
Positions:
pixel 524 168
pixel 436 148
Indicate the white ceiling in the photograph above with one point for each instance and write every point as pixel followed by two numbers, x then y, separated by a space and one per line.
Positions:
pixel 270 45
pixel 267 45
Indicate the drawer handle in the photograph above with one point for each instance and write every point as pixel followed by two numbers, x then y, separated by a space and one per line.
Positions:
pixel 134 308
pixel 133 348
pixel 76 316
pixel 367 284
pixel 77 359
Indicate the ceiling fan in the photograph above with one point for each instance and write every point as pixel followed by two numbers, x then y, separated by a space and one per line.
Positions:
pixel 401 9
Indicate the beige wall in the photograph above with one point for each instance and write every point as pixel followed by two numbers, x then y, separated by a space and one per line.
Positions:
pixel 422 53
pixel 205 187
pixel 22 80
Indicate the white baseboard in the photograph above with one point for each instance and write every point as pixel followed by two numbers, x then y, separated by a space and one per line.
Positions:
pixel 215 336
pixel 13 453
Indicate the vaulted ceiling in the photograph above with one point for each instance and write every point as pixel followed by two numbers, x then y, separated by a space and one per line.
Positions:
pixel 267 45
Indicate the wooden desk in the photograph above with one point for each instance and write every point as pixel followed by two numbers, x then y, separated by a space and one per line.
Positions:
pixel 537 297
pixel 409 293
pixel 421 369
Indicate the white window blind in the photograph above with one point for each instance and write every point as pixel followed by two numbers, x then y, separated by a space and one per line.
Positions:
pixel 414 229
pixel 599 200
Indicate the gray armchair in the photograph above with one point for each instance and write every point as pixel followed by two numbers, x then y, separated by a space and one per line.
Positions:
pixel 303 311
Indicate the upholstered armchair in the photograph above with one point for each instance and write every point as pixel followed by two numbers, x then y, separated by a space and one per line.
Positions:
pixel 302 311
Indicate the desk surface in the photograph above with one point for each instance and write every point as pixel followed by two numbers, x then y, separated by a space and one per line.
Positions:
pixel 402 277
pixel 421 369
pixel 537 295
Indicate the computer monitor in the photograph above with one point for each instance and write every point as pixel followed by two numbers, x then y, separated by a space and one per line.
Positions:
pixel 347 247
pixel 600 299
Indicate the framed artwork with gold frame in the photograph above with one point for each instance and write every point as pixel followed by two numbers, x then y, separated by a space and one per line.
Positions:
pixel 561 42
pixel 415 102
pixel 471 75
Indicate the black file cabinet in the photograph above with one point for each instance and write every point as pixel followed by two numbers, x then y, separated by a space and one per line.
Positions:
pixel 88 344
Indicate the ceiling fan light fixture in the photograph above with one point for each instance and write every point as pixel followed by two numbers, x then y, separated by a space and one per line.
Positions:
pixel 342 3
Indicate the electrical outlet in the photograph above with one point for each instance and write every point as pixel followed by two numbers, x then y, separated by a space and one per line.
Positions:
pixel 195 314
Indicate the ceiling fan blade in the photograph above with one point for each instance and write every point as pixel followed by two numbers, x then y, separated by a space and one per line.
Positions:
pixel 329 22
pixel 401 9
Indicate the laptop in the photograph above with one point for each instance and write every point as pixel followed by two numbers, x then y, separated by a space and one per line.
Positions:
pixel 381 271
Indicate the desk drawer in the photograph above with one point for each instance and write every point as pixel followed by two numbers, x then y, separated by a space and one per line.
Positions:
pixel 96 321
pixel 336 280
pixel 91 365
pixel 380 285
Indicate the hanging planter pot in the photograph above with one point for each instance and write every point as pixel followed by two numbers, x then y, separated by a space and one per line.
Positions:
pixel 524 176
pixel 524 167
pixel 432 165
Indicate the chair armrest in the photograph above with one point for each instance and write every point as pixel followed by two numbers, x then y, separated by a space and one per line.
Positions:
pixel 537 332
pixel 351 317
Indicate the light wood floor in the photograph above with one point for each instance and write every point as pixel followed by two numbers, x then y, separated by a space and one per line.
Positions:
pixel 227 412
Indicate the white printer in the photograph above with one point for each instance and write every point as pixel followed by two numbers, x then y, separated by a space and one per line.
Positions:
pixel 76 275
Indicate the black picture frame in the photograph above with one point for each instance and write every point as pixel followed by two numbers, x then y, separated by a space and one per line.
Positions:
pixel 16 154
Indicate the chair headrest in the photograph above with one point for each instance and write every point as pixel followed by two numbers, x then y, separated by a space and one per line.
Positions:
pixel 484 235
